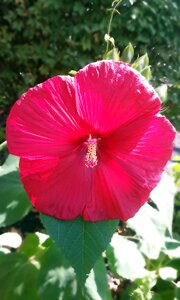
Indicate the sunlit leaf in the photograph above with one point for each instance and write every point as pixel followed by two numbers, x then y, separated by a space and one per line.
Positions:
pixel 18 278
pixel 168 273
pixel 14 203
pixel 125 259
pixel 155 222
pixel 10 239
pixel 57 279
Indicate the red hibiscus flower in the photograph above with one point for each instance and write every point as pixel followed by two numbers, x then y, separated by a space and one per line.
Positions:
pixel 93 145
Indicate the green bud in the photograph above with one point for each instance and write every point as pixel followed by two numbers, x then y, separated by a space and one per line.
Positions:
pixel 162 91
pixel 112 54
pixel 146 72
pixel 72 72
pixel 128 53
pixel 141 62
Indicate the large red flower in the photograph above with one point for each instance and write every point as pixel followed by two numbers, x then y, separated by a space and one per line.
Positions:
pixel 93 145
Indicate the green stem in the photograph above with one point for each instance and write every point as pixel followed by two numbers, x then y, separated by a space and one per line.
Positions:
pixel 3 145
pixel 110 21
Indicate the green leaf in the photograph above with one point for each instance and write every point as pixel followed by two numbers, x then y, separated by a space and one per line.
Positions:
pixel 125 259
pixel 128 53
pixel 14 203
pixel 96 285
pixel 82 242
pixel 177 290
pixel 172 248
pixel 30 244
pixel 112 54
pixel 57 279
pixel 18 278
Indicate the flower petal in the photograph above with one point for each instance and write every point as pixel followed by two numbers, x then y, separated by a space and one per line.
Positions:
pixel 115 193
pixel 57 187
pixel 146 143
pixel 43 122
pixel 130 169
pixel 110 94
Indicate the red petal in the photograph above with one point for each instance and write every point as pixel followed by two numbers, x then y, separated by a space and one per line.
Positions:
pixel 57 187
pixel 130 170
pixel 112 93
pixel 115 194
pixel 146 143
pixel 44 122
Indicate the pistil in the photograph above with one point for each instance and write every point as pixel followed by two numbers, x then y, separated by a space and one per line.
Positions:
pixel 91 154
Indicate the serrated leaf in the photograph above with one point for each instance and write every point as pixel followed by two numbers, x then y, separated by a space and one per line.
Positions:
pixel 128 53
pixel 57 279
pixel 125 259
pixel 82 242
pixel 14 203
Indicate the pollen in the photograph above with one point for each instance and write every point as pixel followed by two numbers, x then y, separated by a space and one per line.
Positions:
pixel 91 154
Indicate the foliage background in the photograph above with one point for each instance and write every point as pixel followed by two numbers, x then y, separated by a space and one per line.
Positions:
pixel 39 39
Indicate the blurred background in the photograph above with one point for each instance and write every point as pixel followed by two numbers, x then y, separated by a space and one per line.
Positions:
pixel 42 38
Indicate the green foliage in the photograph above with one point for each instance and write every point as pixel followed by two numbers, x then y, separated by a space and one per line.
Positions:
pixel 44 273
pixel 146 260
pixel 14 203
pixel 42 38
pixel 125 259
pixel 82 242
pixel 39 39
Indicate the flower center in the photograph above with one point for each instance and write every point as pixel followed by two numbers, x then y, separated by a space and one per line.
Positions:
pixel 91 157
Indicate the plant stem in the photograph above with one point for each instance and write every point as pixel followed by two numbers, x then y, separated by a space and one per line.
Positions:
pixel 110 21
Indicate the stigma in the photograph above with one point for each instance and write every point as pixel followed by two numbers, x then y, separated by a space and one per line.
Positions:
pixel 91 154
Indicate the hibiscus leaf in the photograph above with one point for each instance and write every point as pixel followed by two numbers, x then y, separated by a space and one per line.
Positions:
pixel 18 277
pixel 82 242
pixel 14 203
pixel 57 279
